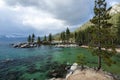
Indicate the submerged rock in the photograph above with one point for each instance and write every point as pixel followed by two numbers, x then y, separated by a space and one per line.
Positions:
pixel 8 60
pixel 57 70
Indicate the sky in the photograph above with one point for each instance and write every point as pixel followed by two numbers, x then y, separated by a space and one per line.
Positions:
pixel 24 17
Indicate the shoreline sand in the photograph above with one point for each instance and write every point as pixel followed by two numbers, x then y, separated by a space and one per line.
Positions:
pixel 117 49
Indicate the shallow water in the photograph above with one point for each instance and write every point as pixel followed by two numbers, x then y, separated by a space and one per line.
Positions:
pixel 34 63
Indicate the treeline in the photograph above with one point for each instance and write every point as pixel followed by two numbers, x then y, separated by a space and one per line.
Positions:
pixel 65 36
pixel 32 39
pixel 84 37
pixel 81 37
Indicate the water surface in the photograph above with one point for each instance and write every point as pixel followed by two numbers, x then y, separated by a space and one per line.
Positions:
pixel 33 63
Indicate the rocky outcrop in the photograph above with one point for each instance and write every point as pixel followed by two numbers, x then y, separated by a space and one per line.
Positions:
pixel 72 69
pixel 115 9
pixel 89 74
pixel 76 73
pixel 24 45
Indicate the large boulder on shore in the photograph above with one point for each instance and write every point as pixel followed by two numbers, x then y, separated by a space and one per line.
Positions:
pixel 57 79
pixel 76 73
pixel 90 74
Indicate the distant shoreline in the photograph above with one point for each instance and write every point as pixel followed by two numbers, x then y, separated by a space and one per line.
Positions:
pixel 117 49
pixel 35 44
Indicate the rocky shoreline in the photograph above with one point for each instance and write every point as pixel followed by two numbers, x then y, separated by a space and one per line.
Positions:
pixel 76 73
pixel 24 45
pixel 32 45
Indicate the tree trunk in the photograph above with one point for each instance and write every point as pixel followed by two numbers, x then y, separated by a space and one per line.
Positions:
pixel 99 56
pixel 99 63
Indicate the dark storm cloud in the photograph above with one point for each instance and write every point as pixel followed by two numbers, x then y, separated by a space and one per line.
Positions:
pixel 73 12
pixel 59 14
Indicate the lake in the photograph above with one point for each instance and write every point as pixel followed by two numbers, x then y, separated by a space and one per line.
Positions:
pixel 16 63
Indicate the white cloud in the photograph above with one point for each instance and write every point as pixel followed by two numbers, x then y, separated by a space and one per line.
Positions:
pixel 45 15
pixel 41 20
pixel 2 3
pixel 37 19
pixel 31 17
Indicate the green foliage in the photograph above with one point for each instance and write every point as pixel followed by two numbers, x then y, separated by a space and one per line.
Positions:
pixel 83 37
pixel 118 28
pixel 33 37
pixel 63 37
pixel 38 41
pixel 67 34
pixel 75 36
pixel 29 39
pixel 45 38
pixel 50 37
pixel 101 33
pixel 80 37
pixel 81 59
pixel 84 26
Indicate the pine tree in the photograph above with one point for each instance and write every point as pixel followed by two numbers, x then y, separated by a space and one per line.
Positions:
pixel 33 38
pixel 67 35
pixel 50 38
pixel 29 39
pixel 118 28
pixel 38 41
pixel 80 37
pixel 81 60
pixel 45 38
pixel 75 36
pixel 87 35
pixel 101 34
pixel 63 37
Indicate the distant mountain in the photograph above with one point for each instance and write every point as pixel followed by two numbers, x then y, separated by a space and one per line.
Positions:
pixel 114 11
pixel 12 36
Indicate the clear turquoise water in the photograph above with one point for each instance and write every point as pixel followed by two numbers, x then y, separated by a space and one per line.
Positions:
pixel 22 60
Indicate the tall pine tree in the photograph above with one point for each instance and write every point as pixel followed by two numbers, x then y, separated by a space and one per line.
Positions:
pixel 45 38
pixel 101 34
pixel 50 38
pixel 62 35
pixel 33 38
pixel 29 39
pixel 75 36
pixel 38 41
pixel 67 35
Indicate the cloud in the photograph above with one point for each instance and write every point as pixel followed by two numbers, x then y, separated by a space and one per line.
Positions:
pixel 73 12
pixel 44 16
pixel 15 19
